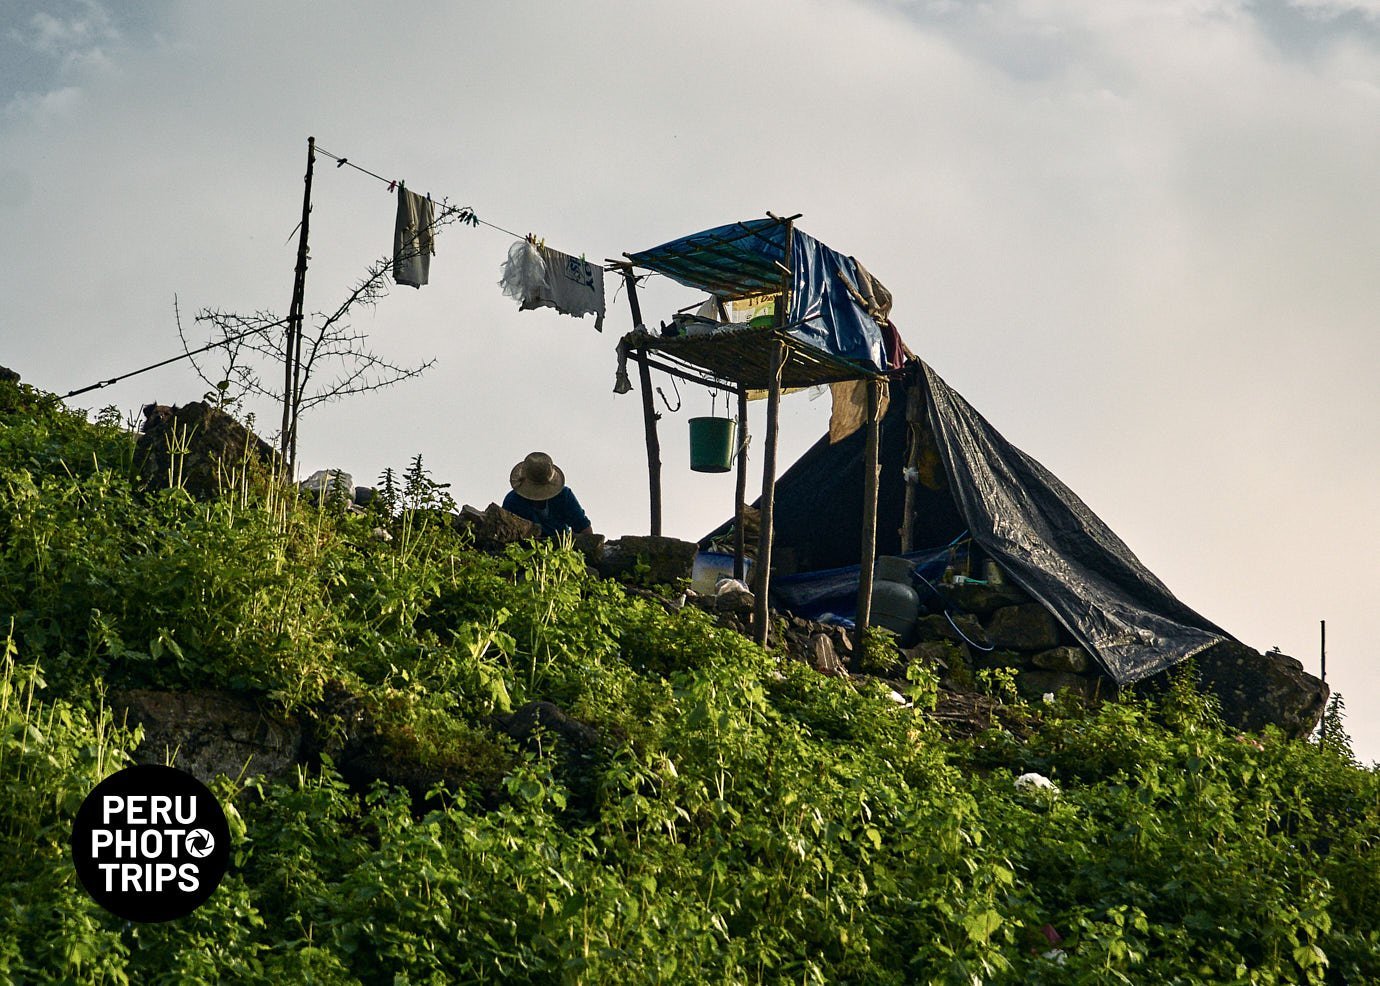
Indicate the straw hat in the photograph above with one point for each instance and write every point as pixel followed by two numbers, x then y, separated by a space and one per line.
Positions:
pixel 537 477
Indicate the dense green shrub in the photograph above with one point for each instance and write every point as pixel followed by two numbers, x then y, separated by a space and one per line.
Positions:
pixel 740 819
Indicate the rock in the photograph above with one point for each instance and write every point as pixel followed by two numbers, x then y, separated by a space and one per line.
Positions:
pixel 1072 660
pixel 732 597
pixel 992 659
pixel 211 733
pixel 1256 690
pixel 1027 627
pixel 523 725
pixel 200 448
pixel 984 600
pixel 325 483
pixel 493 528
pixel 942 654
pixel 823 657
pixel 590 545
pixel 1034 684
pixel 648 559
pixel 937 627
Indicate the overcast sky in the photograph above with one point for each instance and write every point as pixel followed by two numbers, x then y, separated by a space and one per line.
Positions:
pixel 1140 236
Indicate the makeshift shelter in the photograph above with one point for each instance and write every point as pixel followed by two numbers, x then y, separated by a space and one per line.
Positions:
pixel 966 478
pixel 827 324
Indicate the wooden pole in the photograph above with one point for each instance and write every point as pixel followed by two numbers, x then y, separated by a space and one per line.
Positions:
pixel 767 512
pixel 649 415
pixel 762 582
pixel 868 559
pixel 292 350
pixel 1323 648
pixel 649 419
pixel 634 306
pixel 740 492
pixel 1322 727
pixel 914 410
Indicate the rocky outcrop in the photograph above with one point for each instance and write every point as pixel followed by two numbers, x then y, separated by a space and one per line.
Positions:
pixel 201 449
pixel 647 560
pixel 493 528
pixel 208 733
pixel 1256 690
pixel 527 722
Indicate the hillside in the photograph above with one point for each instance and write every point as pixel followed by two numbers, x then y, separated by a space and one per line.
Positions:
pixel 507 769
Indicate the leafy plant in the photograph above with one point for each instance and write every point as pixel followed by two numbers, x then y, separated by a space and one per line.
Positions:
pixel 717 814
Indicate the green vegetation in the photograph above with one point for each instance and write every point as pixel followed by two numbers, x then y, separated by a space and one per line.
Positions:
pixel 741 818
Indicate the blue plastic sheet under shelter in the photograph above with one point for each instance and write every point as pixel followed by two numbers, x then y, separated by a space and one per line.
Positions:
pixel 749 258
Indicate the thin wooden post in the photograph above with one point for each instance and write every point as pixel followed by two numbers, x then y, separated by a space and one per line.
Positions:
pixel 649 415
pixel 1322 654
pixel 630 280
pixel 863 617
pixel 740 493
pixel 914 411
pixel 649 419
pixel 292 349
pixel 762 583
pixel 767 512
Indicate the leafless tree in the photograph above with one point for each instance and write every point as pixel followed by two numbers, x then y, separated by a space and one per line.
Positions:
pixel 336 360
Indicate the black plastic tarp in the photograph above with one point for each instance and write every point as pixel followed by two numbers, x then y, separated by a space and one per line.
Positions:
pixel 1043 536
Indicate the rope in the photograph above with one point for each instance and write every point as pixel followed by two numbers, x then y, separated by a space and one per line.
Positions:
pixel 195 352
pixel 392 183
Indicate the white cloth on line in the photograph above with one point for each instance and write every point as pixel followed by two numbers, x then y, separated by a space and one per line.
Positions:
pixel 540 277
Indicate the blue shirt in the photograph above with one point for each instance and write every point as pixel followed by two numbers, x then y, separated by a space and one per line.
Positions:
pixel 560 513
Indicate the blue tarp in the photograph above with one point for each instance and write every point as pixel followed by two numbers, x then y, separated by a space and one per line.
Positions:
pixel 834 591
pixel 744 259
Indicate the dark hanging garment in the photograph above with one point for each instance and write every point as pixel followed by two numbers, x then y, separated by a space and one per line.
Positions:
pixel 413 245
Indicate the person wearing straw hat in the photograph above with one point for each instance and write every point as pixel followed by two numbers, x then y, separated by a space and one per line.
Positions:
pixel 540 495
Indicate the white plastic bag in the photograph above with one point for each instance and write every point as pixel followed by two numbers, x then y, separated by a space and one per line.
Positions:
pixel 524 275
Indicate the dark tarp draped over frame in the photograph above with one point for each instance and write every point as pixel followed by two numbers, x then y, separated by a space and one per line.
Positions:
pixel 1043 536
pixel 748 258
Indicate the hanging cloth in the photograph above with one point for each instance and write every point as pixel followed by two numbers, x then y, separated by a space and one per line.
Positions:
pixel 537 276
pixel 413 239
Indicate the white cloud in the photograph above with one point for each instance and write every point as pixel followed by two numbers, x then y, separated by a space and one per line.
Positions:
pixel 43 108
pixel 1339 8
pixel 89 25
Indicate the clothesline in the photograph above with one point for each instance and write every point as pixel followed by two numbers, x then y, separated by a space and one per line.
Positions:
pixel 393 183
pixel 466 213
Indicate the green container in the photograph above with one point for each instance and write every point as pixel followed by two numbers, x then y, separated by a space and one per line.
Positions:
pixel 711 444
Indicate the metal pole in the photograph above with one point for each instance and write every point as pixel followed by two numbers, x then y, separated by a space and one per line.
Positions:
pixel 292 353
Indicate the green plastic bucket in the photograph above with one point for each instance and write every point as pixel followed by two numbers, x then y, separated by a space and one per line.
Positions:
pixel 711 444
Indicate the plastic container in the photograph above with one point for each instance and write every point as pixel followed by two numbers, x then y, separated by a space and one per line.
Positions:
pixel 711 444
pixel 895 603
pixel 710 566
